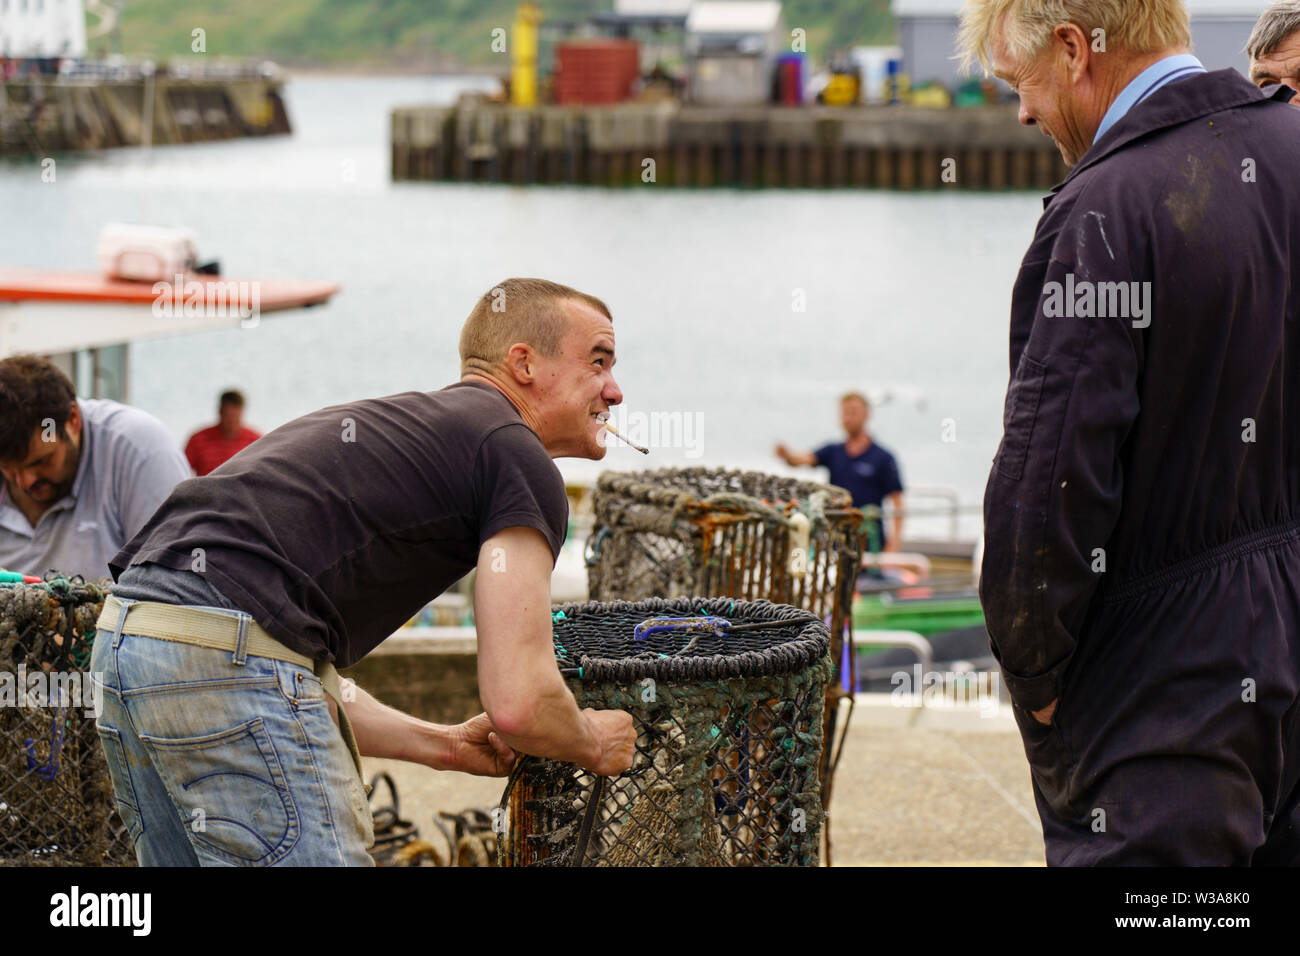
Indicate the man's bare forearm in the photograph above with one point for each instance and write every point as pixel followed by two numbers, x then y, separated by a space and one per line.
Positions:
pixel 526 699
pixel 384 731
pixel 555 728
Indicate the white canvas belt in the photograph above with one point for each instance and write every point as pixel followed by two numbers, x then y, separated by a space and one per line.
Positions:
pixel 242 636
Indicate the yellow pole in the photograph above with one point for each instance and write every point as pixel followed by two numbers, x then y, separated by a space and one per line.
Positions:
pixel 523 74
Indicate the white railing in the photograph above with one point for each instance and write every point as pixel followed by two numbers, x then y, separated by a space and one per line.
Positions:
pixel 951 506
pixel 119 68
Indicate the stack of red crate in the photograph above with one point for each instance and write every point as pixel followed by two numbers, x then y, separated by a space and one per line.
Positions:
pixel 595 71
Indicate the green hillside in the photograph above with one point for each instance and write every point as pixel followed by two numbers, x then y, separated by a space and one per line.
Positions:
pixel 376 32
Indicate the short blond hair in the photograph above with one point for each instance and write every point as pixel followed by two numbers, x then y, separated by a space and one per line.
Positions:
pixel 1134 26
pixel 527 311
pixel 854 397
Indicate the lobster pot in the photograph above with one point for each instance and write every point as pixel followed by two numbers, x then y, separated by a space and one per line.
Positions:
pixel 679 532
pixel 729 740
pixel 741 534
pixel 56 799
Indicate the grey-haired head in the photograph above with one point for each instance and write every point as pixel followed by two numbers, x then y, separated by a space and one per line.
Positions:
pixel 1274 47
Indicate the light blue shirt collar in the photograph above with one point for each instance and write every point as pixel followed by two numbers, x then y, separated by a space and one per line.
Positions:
pixel 1171 68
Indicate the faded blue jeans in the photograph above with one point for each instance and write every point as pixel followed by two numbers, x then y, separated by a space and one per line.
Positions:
pixel 218 764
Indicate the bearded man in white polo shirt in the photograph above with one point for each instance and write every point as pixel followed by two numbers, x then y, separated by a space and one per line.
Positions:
pixel 81 476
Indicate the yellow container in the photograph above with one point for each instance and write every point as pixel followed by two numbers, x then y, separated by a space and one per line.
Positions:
pixel 842 90
pixel 523 55
pixel 934 97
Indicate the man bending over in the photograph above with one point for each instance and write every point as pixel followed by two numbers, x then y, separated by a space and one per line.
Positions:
pixel 239 597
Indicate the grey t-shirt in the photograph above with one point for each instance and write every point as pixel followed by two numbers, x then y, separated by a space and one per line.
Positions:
pixel 129 464
pixel 334 529
pixel 153 582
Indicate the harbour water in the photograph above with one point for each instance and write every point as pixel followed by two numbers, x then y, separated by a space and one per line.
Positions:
pixel 740 316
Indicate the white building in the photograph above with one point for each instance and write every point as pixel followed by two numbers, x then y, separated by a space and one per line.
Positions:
pixel 745 27
pixel 653 8
pixel 927 31
pixel 42 28
pixel 732 48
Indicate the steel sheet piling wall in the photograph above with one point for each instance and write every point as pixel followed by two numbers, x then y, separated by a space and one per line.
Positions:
pixel 44 114
pixel 754 147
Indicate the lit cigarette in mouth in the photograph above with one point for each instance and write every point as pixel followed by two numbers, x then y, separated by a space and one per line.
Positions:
pixel 614 431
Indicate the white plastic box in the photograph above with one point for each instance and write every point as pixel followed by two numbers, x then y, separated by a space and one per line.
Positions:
pixel 146 253
pixel 873 67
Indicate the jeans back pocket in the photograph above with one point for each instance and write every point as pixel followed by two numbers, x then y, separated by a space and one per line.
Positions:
pixel 233 790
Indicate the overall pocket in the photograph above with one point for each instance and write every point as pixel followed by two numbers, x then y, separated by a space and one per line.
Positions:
pixel 1018 422
pixel 233 790
pixel 1050 758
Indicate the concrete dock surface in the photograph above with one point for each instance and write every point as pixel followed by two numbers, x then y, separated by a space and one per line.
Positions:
pixel 924 786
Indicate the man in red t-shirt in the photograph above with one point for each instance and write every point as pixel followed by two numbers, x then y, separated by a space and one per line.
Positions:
pixel 210 447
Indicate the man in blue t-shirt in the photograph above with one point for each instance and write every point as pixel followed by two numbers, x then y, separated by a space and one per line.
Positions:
pixel 861 467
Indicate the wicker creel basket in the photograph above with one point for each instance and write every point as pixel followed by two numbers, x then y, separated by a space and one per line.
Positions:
pixel 744 534
pixel 56 800
pixel 727 700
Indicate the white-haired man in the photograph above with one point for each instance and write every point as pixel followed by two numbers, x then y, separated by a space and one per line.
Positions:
pixel 1141 574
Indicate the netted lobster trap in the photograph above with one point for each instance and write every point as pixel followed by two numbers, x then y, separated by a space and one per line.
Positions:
pixel 716 533
pixel 727 701
pixel 56 798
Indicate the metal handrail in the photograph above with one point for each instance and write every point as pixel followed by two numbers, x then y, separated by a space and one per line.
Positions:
pixel 910 640
pixel 953 510
pixel 178 69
